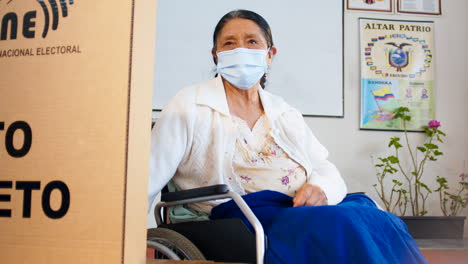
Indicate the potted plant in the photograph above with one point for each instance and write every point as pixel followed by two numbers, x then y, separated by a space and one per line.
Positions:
pixel 409 193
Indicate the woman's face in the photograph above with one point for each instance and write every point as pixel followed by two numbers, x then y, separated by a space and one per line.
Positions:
pixel 242 33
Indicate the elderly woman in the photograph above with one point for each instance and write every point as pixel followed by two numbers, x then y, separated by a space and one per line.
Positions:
pixel 231 131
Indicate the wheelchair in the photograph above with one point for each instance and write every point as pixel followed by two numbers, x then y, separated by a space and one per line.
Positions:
pixel 223 240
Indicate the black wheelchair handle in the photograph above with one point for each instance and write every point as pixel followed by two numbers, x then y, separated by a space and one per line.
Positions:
pixel 194 193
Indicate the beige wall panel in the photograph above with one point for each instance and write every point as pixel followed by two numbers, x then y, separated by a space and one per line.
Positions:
pixel 77 107
pixel 139 130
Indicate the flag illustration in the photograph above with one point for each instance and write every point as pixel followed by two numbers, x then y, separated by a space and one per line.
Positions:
pixel 383 93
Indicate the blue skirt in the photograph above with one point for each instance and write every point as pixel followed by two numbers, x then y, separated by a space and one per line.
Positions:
pixel 354 231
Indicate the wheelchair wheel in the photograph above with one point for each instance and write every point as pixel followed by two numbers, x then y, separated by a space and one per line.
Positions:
pixel 169 244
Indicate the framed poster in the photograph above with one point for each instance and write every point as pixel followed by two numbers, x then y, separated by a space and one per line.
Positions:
pixel 427 7
pixel 370 5
pixel 396 70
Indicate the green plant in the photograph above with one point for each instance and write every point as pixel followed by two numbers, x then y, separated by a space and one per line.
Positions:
pixel 410 191
pixel 458 200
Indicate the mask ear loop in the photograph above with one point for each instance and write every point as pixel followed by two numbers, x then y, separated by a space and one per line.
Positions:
pixel 265 75
pixel 268 66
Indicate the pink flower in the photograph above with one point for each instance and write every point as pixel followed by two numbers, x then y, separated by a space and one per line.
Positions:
pixel 463 176
pixel 433 124
pixel 285 180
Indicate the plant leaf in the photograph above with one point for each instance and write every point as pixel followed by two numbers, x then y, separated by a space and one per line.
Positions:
pixel 431 146
pixel 424 186
pixel 422 149
pixel 441 180
pixel 393 159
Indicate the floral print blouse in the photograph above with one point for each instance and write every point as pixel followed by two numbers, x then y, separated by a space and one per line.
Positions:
pixel 260 164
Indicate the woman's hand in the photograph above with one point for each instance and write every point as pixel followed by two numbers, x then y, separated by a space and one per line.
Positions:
pixel 310 195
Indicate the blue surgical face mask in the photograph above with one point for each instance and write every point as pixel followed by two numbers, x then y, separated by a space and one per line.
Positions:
pixel 242 67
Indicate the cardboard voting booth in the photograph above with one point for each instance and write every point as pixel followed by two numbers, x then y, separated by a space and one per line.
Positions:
pixel 75 117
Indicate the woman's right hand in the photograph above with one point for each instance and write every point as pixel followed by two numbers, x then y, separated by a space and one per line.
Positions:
pixel 310 195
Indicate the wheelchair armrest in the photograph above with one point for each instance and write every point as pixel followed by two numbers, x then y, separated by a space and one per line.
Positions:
pixel 195 193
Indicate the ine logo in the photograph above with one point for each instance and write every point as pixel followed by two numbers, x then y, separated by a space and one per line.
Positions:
pixel 50 9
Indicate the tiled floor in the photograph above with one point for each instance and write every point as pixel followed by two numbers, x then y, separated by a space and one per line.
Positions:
pixel 444 251
pixel 443 243
pixel 436 251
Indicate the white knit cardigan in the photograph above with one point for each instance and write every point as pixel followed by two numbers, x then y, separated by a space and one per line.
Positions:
pixel 193 143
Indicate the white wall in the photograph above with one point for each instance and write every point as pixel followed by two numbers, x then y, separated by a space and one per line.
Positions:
pixel 350 148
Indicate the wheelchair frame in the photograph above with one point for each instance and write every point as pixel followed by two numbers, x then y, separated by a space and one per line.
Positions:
pixel 210 193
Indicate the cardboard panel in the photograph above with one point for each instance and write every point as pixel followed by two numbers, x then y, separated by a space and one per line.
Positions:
pixel 66 77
